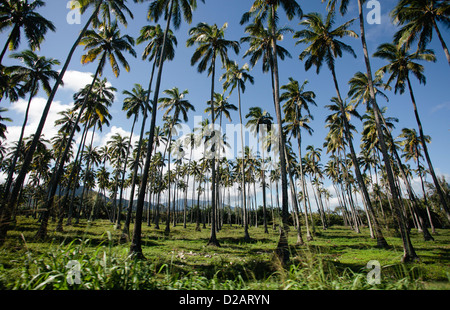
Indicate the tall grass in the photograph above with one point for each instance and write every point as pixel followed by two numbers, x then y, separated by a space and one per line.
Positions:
pixel 105 267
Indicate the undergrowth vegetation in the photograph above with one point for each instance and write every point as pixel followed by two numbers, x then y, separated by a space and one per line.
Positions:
pixel 335 260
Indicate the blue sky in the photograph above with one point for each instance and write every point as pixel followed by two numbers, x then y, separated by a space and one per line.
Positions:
pixel 433 99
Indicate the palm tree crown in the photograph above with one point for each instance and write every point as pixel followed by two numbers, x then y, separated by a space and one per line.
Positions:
pixel 108 43
pixel 324 45
pixel 22 14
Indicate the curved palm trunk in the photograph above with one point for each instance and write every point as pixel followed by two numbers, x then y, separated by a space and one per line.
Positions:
pixel 10 202
pixel 409 252
pixel 427 156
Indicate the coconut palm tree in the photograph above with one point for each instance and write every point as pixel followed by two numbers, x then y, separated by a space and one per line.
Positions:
pixel 325 46
pixel 261 11
pixel 297 100
pixel 401 65
pixel 260 123
pixel 359 88
pixel 36 72
pixel 211 44
pixel 169 8
pixel 412 149
pixel 106 43
pixel 134 104
pixel 115 6
pixel 22 15
pixel 177 104
pixel 419 18
pixel 117 147
pixel 236 76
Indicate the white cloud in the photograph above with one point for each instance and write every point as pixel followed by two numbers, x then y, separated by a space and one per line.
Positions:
pixel 75 80
pixel 34 117
pixel 444 106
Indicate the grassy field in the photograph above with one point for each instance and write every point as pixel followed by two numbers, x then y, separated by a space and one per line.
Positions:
pixel 336 259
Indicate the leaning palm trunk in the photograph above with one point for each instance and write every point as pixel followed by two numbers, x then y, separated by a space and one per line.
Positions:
pixel 59 168
pixel 381 242
pixel 135 247
pixel 409 252
pixel 427 156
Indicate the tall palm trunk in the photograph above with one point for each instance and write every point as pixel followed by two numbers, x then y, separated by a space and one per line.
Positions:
pixel 244 193
pixel 441 39
pixel 425 151
pixel 135 247
pixel 409 252
pixel 263 172
pixel 282 250
pixel 138 154
pixel 309 237
pixel 126 227
pixel 5 48
pixel 9 203
pixel 213 238
pixel 381 242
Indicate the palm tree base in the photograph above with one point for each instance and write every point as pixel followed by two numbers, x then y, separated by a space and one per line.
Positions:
pixel 213 242
pixel 382 243
pixel 410 259
pixel 136 253
pixel 282 250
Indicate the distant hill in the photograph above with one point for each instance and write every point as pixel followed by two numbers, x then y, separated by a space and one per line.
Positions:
pixel 190 202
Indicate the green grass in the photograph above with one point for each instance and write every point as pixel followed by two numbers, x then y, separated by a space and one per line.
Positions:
pixel 336 259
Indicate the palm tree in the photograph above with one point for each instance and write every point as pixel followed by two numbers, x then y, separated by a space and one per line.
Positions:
pixel 134 104
pixel 22 15
pixel 401 65
pixel 168 8
pixel 263 10
pixel 176 103
pixel 419 18
pixel 106 43
pixel 359 88
pixel 118 147
pixel 260 122
pixel 37 71
pixel 106 5
pixel 324 46
pixel 211 43
pixel 236 77
pixel 409 252
pixel 412 149
pixel 297 100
